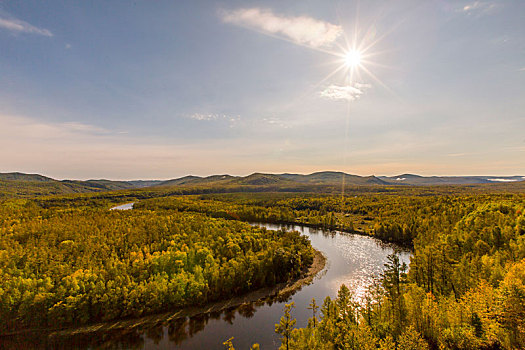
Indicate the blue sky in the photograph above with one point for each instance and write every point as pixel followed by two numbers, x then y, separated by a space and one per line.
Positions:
pixel 161 89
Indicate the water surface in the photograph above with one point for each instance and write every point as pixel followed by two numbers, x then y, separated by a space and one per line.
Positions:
pixel 126 206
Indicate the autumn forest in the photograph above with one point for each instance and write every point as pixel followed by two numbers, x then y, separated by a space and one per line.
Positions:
pixel 67 261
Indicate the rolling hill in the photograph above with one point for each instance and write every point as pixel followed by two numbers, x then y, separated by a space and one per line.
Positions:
pixel 26 185
pixel 24 177
pixel 334 177
pixel 260 179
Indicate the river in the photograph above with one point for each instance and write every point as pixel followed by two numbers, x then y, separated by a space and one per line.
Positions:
pixel 126 206
pixel 352 259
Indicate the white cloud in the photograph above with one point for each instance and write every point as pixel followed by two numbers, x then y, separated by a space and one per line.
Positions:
pixel 302 30
pixel 200 116
pixel 347 92
pixel 15 25
pixel 231 119
pixel 503 180
pixel 479 8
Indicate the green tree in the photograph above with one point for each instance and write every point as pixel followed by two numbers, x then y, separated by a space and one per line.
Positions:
pixel 393 279
pixel 286 324
pixel 313 306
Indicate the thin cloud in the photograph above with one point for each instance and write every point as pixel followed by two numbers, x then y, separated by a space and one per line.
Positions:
pixel 275 121
pixel 232 120
pixel 478 8
pixel 302 30
pixel 200 116
pixel 463 154
pixel 84 128
pixel 18 26
pixel 457 154
pixel 347 92
pixel 522 69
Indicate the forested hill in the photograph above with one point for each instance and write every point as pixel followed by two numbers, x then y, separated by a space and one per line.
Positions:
pixel 24 177
pixel 17 184
pixel 31 185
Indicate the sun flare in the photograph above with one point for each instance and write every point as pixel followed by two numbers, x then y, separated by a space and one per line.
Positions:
pixel 352 58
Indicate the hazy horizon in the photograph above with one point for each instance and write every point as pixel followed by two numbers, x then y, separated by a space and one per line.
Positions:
pixel 160 90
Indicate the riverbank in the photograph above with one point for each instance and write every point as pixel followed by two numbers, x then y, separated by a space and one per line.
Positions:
pixel 277 292
pixel 403 244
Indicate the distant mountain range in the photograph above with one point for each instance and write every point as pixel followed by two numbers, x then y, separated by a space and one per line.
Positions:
pixel 411 179
pixel 256 179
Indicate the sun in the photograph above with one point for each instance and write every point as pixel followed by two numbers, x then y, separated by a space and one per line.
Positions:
pixel 352 58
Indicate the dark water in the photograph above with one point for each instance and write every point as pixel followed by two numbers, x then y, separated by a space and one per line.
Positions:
pixel 352 259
